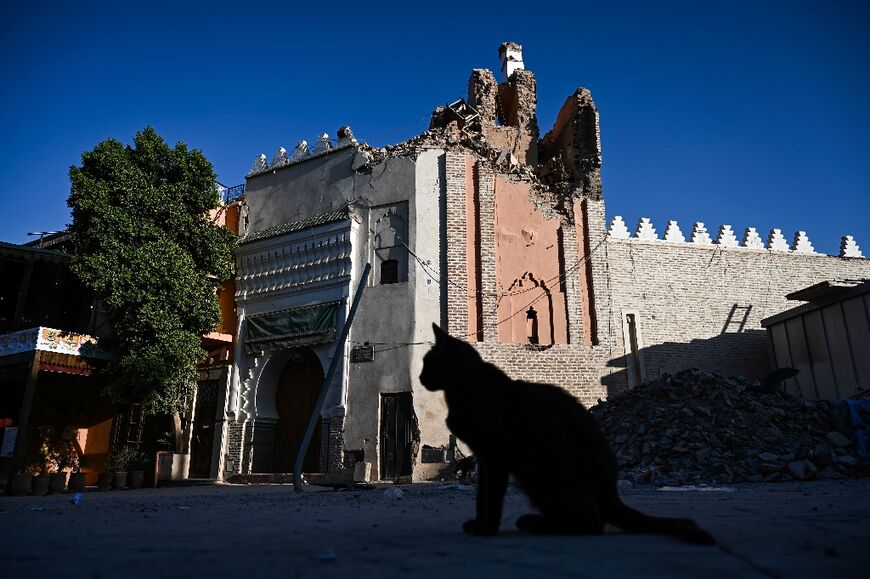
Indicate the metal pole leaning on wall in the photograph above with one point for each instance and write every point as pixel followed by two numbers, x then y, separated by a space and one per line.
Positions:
pixel 333 366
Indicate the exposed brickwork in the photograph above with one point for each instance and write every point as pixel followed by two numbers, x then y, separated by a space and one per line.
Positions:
pixel 457 314
pixel 235 434
pixel 247 447
pixel 598 293
pixel 571 283
pixel 575 368
pixel 485 187
pixel 572 366
pixel 482 93
pixel 571 151
pixel 332 455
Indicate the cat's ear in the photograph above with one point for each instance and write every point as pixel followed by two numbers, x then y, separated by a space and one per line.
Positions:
pixel 440 335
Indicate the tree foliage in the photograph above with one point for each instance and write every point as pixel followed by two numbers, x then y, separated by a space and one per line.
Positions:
pixel 147 246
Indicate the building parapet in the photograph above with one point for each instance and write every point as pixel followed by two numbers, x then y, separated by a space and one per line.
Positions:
pixel 726 238
pixel 301 152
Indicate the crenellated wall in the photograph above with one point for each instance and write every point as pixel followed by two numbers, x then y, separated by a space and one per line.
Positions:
pixel 726 238
pixel 699 302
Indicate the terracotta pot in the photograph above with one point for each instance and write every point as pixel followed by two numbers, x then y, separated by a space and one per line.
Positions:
pixel 56 482
pixel 22 484
pixel 119 480
pixel 76 482
pixel 40 485
pixel 136 479
pixel 104 482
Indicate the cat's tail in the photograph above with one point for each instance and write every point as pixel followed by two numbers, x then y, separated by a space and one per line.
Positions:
pixel 633 521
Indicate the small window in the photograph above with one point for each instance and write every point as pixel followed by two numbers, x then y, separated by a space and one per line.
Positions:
pixel 389 271
pixel 532 325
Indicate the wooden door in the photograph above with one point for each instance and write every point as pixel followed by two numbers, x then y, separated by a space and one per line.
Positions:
pixel 396 432
pixel 295 398
pixel 202 440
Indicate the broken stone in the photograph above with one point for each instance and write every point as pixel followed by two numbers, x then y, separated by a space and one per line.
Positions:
pixel 837 439
pixel 822 454
pixel 802 469
pixel 698 426
pixel 361 160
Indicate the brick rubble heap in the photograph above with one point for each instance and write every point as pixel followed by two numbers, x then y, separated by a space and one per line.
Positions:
pixel 700 427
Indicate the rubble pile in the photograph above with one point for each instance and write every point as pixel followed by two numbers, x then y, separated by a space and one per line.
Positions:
pixel 701 427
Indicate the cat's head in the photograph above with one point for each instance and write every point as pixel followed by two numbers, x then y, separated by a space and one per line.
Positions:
pixel 447 362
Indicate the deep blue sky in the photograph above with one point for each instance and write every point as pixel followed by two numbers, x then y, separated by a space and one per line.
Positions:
pixel 748 113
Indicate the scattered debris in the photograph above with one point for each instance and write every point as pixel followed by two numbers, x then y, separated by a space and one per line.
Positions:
pixel 859 410
pixel 701 427
pixel 76 499
pixel 702 488
pixel 393 493
pixel 458 487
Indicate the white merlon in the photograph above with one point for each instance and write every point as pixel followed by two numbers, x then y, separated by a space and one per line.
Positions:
pixel 751 239
pixel 345 137
pixel 775 241
pixel 645 230
pixel 322 144
pixel 259 165
pixel 280 159
pixel 726 237
pixel 673 233
pixel 700 235
pixel 300 151
pixel 849 247
pixel 802 243
pixel 618 230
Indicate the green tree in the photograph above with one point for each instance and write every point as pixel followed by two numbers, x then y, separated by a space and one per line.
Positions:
pixel 146 244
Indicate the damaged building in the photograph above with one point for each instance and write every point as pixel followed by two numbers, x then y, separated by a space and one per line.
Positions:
pixel 499 235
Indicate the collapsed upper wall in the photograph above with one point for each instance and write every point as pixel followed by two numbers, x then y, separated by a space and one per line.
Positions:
pixel 499 120
pixel 571 152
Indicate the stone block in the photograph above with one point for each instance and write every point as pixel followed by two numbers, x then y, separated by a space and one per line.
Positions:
pixel 645 230
pixel 618 230
pixel 362 472
pixel 673 233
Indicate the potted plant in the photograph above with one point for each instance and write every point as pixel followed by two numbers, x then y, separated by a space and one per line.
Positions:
pixel 63 456
pixel 136 474
pixel 119 461
pixel 22 482
pixel 76 482
pixel 38 465
pixel 104 481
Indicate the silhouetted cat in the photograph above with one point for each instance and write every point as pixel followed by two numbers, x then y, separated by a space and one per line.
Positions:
pixel 542 436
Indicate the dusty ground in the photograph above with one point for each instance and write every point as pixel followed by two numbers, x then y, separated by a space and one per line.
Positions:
pixel 819 529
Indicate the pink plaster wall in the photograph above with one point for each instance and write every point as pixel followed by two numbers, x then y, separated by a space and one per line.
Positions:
pixel 529 268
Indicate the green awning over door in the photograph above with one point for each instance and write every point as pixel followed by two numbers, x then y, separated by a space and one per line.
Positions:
pixel 291 328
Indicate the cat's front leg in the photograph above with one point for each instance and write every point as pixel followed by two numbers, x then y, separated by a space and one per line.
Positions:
pixel 492 480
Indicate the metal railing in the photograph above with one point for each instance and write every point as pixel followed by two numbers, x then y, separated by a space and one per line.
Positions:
pixel 230 194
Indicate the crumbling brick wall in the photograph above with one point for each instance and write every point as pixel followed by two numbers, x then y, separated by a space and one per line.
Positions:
pixel 574 366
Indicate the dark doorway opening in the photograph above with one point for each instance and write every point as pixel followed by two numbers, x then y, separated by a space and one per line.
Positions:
pixel 397 414
pixel 295 398
pixel 202 440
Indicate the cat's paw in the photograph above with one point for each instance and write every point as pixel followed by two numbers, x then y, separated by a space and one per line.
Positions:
pixel 475 527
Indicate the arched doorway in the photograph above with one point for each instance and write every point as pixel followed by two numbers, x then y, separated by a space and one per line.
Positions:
pixel 295 396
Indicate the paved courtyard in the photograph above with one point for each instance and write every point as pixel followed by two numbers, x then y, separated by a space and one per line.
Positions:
pixel 819 529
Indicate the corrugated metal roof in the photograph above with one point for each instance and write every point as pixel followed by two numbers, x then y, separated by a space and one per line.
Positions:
pixel 285 228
